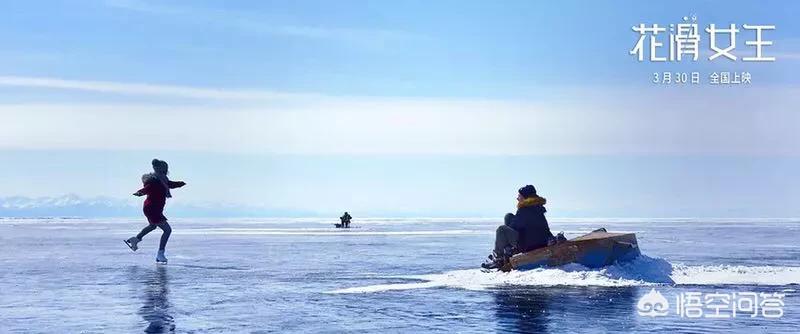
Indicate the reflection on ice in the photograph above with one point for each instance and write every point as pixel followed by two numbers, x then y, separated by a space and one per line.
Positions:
pixel 537 310
pixel 153 285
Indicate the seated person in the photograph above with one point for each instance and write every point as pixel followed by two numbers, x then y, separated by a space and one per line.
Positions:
pixel 523 232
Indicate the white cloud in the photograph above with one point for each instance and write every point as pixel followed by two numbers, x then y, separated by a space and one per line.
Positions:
pixel 352 125
pixel 607 121
pixel 144 89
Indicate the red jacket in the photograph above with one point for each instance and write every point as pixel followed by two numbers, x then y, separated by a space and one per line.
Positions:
pixel 156 199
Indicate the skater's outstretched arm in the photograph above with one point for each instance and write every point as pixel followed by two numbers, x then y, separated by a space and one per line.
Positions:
pixel 176 184
pixel 144 191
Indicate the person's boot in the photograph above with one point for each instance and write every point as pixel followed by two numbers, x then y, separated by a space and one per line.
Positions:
pixel 133 243
pixel 492 262
pixel 489 264
pixel 160 258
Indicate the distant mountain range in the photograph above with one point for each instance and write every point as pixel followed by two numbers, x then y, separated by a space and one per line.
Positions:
pixel 72 205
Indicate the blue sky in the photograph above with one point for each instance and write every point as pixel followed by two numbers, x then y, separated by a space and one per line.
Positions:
pixel 435 108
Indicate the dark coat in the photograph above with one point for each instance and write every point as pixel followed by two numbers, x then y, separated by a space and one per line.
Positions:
pixel 156 199
pixel 532 227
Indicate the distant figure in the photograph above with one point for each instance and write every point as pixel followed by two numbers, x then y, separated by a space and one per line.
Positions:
pixel 523 232
pixel 345 218
pixel 156 187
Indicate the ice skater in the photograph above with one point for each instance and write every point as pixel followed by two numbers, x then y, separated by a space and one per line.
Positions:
pixel 156 187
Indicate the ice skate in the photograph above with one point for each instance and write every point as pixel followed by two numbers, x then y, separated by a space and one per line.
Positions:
pixel 133 243
pixel 160 258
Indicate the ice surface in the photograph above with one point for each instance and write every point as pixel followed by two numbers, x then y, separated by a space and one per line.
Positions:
pixel 395 275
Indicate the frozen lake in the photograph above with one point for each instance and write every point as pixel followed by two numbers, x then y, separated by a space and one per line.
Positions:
pixel 383 275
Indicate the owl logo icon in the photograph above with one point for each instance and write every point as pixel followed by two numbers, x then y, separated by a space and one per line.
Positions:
pixel 653 304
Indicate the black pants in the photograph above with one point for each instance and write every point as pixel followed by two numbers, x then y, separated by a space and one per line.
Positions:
pixel 506 236
pixel 164 236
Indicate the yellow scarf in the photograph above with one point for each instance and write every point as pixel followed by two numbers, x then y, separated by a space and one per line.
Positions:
pixel 531 201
